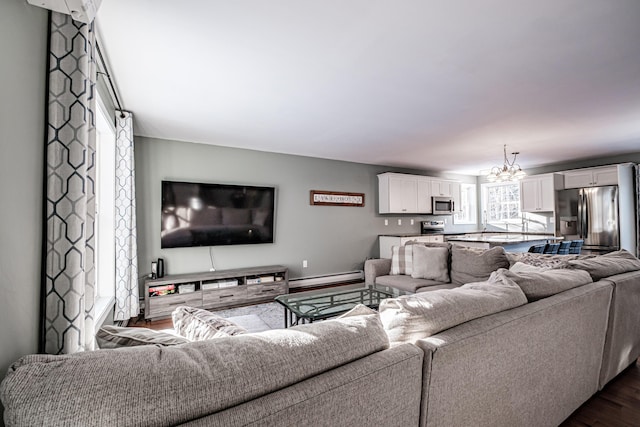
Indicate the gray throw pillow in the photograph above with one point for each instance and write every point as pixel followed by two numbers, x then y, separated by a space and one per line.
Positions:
pixel 116 336
pixel 544 283
pixel 475 265
pixel 431 263
pixel 197 324
pixel 606 265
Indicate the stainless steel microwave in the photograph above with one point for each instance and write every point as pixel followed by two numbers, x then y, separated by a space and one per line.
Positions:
pixel 442 205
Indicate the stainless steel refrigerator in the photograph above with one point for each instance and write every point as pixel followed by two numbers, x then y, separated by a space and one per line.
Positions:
pixel 591 214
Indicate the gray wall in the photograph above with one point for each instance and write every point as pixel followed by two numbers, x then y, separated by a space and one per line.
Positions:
pixel 332 239
pixel 23 36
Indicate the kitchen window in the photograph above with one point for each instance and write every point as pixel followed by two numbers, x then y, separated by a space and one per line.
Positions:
pixel 501 206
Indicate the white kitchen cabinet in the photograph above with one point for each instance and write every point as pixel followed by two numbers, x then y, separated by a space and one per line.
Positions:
pixel 444 188
pixel 537 192
pixel 456 194
pixel 411 194
pixel 591 177
pixel 398 193
pixel 424 195
pixel 386 242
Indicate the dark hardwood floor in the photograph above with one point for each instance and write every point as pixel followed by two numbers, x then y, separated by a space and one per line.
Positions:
pixel 616 405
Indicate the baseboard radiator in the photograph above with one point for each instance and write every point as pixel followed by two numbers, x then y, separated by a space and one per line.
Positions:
pixel 328 279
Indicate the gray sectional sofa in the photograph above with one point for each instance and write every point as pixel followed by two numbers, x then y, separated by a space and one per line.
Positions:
pixel 533 346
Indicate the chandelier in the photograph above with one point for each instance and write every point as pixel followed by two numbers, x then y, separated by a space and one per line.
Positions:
pixel 510 170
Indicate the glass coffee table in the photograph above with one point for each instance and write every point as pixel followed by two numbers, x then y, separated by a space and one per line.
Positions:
pixel 318 305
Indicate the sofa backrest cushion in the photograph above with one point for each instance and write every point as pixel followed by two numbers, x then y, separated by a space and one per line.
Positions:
pixel 412 317
pixel 538 283
pixel 172 385
pixel 470 265
pixel 431 263
pixel 607 265
pixel 115 336
pixel 197 324
pixel 401 260
pixel 544 260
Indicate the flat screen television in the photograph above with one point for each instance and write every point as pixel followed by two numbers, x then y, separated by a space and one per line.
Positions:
pixel 200 214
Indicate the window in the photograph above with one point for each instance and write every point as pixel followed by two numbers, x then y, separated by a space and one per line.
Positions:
pixel 105 195
pixel 468 205
pixel 501 202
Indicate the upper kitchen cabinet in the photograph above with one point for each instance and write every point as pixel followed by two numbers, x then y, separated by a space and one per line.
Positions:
pixel 591 177
pixel 444 188
pixel 397 193
pixel 537 192
pixel 405 193
pixel 424 195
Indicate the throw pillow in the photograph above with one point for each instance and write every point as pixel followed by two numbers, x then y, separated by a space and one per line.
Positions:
pixel 401 260
pixel 116 336
pixel 412 317
pixel 606 265
pixel 475 265
pixel 539 283
pixel 431 263
pixel 197 324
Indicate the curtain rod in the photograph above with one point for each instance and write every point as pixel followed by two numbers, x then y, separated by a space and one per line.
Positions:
pixel 108 75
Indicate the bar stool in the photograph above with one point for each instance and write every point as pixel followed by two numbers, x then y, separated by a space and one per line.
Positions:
pixel 552 248
pixel 537 249
pixel 576 246
pixel 564 247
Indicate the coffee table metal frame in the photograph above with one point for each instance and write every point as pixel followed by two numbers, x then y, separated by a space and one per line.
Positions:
pixel 320 305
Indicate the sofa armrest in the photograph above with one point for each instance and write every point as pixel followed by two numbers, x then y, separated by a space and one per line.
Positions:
pixel 374 268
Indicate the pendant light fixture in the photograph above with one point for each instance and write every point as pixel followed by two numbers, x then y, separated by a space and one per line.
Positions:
pixel 510 170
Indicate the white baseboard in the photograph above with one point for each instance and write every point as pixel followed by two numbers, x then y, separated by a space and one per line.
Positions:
pixel 304 282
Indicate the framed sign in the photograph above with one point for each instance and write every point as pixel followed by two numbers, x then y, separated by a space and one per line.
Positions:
pixel 336 198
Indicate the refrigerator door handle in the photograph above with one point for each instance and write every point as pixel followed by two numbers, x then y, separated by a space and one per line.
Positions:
pixel 581 215
pixel 587 204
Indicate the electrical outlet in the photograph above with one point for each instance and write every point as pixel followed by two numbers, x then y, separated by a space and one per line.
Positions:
pixel 411 222
pixel 304 263
pixel 399 221
pixel 386 222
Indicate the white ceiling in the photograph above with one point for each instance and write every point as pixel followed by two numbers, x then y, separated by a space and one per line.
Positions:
pixel 428 84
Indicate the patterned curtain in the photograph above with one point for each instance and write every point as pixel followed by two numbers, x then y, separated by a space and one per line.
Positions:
pixel 69 283
pixel 125 218
pixel 637 183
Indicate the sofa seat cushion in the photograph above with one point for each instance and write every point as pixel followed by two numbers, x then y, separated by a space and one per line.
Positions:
pixel 172 385
pixel 115 336
pixel 197 324
pixel 405 283
pixel 412 317
pixel 606 265
pixel 469 265
pixel 546 282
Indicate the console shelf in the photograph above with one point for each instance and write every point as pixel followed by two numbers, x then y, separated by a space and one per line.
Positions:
pixel 214 289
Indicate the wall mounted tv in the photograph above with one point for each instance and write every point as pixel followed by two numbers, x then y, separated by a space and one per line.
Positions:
pixel 200 214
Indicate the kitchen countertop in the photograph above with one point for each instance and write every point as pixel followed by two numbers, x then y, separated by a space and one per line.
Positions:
pixel 503 238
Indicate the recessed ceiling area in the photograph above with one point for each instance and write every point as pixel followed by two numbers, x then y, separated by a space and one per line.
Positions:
pixel 434 85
